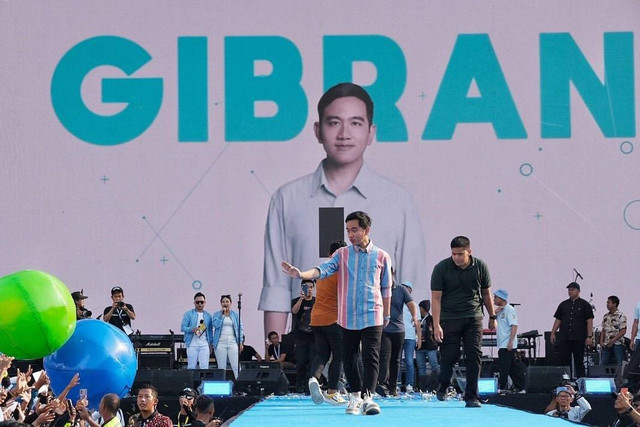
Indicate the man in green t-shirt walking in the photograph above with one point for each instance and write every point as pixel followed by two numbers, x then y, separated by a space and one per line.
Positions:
pixel 459 288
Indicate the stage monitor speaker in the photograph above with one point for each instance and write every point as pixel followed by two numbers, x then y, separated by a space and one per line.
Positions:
pixel 542 379
pixel 607 371
pixel 262 378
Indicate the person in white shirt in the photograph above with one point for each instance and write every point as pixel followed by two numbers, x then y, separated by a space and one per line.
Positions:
pixel 565 395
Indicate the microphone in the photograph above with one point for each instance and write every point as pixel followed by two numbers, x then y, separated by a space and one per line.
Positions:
pixel 578 274
pixel 239 294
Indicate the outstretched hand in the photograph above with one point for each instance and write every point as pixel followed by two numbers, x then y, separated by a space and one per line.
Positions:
pixel 290 270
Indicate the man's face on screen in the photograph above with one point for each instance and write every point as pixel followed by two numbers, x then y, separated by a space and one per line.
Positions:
pixel 345 131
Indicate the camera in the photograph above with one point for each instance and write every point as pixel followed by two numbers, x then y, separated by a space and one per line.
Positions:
pixel 120 304
pixel 86 314
pixel 305 287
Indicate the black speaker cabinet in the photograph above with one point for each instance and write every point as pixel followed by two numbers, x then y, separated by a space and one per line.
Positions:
pixel 155 361
pixel 551 352
pixel 542 379
pixel 606 371
pixel 257 379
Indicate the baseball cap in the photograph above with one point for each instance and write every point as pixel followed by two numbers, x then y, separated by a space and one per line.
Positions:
pixel 573 285
pixel 501 293
pixel 116 289
pixel 563 389
pixel 77 296
pixel 188 392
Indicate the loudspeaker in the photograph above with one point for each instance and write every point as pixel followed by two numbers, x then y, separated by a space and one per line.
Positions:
pixel 258 378
pixel 551 352
pixel 598 371
pixel 542 379
pixel 151 361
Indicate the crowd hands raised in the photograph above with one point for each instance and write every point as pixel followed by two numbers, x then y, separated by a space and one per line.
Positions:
pixel 29 401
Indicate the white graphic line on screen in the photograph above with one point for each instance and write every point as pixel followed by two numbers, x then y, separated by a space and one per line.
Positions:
pixel 168 248
pixel 184 199
pixel 564 202
pixel 255 175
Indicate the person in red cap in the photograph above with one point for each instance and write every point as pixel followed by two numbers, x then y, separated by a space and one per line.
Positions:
pixel 573 329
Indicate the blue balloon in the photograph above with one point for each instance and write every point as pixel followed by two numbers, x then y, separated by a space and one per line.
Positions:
pixel 102 354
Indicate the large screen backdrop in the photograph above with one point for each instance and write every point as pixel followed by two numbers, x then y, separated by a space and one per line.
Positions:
pixel 141 142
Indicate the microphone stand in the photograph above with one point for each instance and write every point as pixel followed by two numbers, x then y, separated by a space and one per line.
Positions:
pixel 240 332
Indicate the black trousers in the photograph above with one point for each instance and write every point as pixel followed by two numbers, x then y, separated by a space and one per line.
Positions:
pixel 328 342
pixel 390 352
pixel 575 348
pixel 370 339
pixel 305 352
pixel 469 331
pixel 509 367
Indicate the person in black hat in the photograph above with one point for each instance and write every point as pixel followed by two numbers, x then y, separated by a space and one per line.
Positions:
pixel 81 311
pixel 119 313
pixel 573 329
pixel 186 416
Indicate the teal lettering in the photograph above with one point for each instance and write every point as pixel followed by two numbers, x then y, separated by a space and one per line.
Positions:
pixel 282 87
pixel 612 103
pixel 340 52
pixel 473 59
pixel 193 107
pixel 143 95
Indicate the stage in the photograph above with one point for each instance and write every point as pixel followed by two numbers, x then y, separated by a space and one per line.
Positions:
pixel 411 409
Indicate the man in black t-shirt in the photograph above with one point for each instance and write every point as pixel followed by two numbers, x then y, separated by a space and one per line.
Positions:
pixel 119 314
pixel 301 328
pixel 459 289
pixel 280 352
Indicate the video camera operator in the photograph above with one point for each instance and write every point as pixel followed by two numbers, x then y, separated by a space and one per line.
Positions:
pixel 119 314
pixel 81 311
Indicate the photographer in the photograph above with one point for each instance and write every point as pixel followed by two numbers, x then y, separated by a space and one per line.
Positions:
pixel 301 327
pixel 81 311
pixel 119 314
pixel 564 396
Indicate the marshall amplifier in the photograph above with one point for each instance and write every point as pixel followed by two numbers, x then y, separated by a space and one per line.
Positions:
pixel 155 351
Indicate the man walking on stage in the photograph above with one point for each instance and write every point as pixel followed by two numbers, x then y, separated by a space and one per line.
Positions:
pixel 364 304
pixel 459 288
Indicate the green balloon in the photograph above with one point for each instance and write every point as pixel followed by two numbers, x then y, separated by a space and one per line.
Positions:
pixel 38 314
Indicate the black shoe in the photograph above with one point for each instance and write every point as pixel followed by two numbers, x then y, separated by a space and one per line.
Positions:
pixel 441 393
pixel 473 403
pixel 382 390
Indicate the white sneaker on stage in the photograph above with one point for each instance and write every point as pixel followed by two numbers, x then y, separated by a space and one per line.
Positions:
pixel 314 390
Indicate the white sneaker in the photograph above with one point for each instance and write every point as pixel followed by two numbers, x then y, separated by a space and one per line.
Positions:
pixel 314 389
pixel 409 388
pixel 355 404
pixel 369 407
pixel 334 398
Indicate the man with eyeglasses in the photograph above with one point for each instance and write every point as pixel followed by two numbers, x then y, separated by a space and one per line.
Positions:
pixel 197 325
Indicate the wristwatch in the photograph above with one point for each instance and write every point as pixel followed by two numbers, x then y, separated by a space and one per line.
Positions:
pixel 494 317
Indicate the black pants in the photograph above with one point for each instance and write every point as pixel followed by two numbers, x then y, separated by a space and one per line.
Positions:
pixel 469 330
pixel 390 352
pixel 328 342
pixel 510 367
pixel 305 352
pixel 370 339
pixel 573 348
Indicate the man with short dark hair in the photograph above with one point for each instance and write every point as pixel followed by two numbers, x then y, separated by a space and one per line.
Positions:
pixel 119 313
pixel 345 129
pixel 614 327
pixel 574 326
pixel 459 289
pixel 197 325
pixel 205 408
pixel 147 401
pixel 364 306
pixel 279 352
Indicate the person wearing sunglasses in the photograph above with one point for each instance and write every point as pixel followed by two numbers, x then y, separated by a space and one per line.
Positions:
pixel 186 416
pixel 198 333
